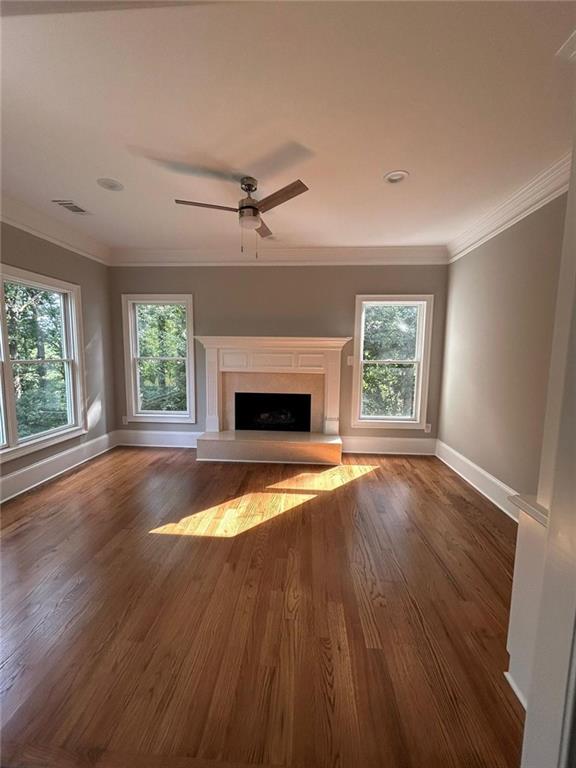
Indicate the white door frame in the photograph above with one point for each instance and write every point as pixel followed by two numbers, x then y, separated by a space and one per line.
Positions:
pixel 552 697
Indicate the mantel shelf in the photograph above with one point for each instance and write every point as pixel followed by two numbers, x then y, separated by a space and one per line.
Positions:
pixel 273 342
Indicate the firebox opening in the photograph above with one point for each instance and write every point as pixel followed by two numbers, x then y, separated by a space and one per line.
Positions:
pixel 272 411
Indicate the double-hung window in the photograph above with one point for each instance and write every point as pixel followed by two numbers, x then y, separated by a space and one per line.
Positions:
pixel 391 361
pixel 159 358
pixel 41 368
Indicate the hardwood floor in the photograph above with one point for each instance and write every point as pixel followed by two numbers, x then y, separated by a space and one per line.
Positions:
pixel 162 613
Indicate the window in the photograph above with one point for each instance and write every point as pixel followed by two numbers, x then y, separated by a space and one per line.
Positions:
pixel 159 357
pixel 391 361
pixel 41 371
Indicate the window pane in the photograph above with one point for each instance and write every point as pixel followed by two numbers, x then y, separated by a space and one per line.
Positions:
pixel 390 332
pixel 162 385
pixel 388 390
pixel 35 322
pixel 40 394
pixel 161 330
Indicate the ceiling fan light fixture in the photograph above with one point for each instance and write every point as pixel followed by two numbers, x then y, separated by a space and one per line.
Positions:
pixel 249 217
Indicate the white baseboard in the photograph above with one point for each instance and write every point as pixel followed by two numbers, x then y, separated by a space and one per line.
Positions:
pixel 24 479
pixel 155 438
pixel 423 446
pixel 519 695
pixel 488 485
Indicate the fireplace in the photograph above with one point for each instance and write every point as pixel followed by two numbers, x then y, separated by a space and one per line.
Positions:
pixel 289 412
pixel 273 364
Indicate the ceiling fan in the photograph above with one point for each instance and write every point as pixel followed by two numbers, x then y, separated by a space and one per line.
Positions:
pixel 249 209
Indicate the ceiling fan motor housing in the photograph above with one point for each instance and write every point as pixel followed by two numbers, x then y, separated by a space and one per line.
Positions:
pixel 249 184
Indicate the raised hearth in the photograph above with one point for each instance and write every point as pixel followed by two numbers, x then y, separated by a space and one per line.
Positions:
pixel 267 446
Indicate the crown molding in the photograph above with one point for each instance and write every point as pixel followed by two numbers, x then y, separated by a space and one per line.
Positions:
pixel 283 257
pixel 539 191
pixel 22 216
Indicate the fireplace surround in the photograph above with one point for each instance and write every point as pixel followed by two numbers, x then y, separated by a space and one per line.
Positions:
pixel 271 355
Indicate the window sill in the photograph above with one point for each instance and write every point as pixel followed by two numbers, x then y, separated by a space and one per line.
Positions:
pixel 15 451
pixel 160 419
pixel 387 424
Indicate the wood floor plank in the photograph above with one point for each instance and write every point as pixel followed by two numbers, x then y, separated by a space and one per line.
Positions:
pixel 166 613
pixel 35 756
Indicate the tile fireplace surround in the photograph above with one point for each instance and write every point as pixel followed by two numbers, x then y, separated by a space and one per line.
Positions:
pixel 273 355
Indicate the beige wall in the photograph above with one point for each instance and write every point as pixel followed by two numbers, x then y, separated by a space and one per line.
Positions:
pixel 281 301
pixel 501 302
pixel 23 250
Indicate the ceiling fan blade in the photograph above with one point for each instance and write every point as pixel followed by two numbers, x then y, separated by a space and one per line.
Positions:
pixel 191 169
pixel 282 196
pixel 31 7
pixel 194 165
pixel 279 159
pixel 207 205
pixel 263 230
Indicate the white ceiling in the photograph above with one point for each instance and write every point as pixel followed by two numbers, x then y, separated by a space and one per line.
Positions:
pixel 469 97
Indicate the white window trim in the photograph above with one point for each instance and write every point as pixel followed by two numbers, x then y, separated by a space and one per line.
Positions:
pixel 129 333
pixel 15 448
pixel 419 422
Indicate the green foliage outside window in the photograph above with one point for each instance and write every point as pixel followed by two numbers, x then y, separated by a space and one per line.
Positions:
pixel 35 324
pixel 390 334
pixel 161 331
pixel 388 390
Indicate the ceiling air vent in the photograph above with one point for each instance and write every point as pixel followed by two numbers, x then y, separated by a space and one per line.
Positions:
pixel 70 205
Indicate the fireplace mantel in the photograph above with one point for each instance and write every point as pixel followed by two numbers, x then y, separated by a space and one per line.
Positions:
pixel 268 342
pixel 273 354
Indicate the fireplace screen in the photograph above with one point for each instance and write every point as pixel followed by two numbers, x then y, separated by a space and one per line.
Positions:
pixel 280 412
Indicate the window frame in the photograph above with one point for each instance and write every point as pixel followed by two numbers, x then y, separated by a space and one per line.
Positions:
pixel 130 336
pixel 74 347
pixel 424 342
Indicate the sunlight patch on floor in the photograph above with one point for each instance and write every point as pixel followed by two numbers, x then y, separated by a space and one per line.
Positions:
pixel 328 480
pixel 236 516
pixel 244 513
